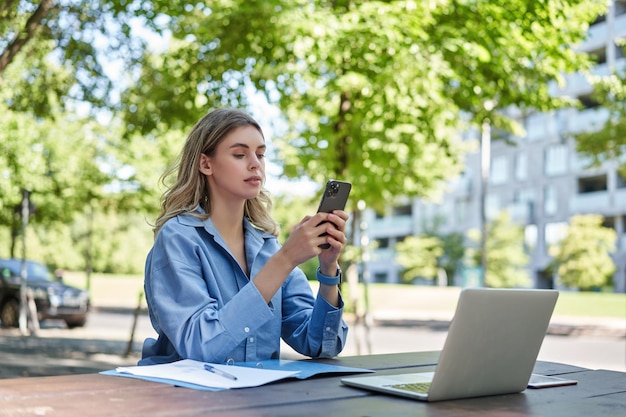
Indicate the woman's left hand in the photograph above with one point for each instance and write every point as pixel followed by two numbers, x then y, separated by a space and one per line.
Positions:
pixel 336 229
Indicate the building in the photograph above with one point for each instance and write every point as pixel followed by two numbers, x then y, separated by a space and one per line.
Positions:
pixel 541 181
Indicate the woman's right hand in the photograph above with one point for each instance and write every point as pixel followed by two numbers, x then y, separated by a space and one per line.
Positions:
pixel 305 238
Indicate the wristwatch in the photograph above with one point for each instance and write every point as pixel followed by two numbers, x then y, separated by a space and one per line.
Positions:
pixel 325 279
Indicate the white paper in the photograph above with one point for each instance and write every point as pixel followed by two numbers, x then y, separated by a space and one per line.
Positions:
pixel 191 371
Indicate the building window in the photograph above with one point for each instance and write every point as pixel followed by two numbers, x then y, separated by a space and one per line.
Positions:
pixel 524 195
pixel 598 55
pixel 549 200
pixel 530 237
pixel 525 199
pixel 592 184
pixel 461 208
pixel 521 166
pixel 382 243
pixel 499 170
pixel 402 210
pixel 492 206
pixel 587 100
pixel 554 234
pixel 555 160
pixel 380 277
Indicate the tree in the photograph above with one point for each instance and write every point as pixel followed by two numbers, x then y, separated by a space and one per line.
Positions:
pixel 55 53
pixel 506 257
pixel 419 256
pixel 56 163
pixel 343 73
pixel 53 56
pixel 59 133
pixel 432 253
pixel 453 254
pixel 583 259
pixel 370 91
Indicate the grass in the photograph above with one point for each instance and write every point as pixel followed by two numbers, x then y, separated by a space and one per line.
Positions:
pixel 591 304
pixel 123 290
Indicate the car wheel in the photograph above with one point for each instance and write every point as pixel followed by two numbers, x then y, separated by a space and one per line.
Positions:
pixel 10 314
pixel 71 324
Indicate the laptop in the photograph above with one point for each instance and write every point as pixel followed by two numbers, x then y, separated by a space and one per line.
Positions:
pixel 490 349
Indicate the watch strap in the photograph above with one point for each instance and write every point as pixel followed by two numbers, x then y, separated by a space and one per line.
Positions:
pixel 328 280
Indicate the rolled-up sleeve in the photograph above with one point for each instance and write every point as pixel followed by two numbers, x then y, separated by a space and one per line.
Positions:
pixel 311 326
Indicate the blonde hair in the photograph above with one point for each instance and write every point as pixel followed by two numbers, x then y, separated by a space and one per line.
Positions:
pixel 191 188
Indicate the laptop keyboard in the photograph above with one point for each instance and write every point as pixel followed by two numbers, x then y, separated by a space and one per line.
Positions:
pixel 419 387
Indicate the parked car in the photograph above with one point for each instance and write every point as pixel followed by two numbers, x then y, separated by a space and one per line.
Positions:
pixel 53 298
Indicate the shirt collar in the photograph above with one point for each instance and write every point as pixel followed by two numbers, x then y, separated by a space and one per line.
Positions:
pixel 249 229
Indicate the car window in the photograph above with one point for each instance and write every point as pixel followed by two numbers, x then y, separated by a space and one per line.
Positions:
pixel 35 271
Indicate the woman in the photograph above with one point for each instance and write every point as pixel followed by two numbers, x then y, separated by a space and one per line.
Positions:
pixel 219 286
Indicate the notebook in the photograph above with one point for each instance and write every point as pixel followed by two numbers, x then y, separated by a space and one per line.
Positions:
pixel 490 349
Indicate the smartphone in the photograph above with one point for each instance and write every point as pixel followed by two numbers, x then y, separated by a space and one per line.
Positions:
pixel 335 197
pixel 544 381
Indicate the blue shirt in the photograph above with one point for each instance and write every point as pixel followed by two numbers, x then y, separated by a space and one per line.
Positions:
pixel 203 306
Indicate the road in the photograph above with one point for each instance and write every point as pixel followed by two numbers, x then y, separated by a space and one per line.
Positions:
pixel 103 342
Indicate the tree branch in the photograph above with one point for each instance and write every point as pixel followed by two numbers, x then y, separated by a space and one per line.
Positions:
pixel 22 37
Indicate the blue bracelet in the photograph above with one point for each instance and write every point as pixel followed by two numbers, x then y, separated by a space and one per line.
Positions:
pixel 325 279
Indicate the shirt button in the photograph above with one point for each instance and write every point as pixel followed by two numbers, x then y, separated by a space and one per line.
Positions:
pixel 252 340
pixel 246 329
pixel 328 329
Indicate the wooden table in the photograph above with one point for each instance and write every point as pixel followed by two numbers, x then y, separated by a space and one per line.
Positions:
pixel 598 393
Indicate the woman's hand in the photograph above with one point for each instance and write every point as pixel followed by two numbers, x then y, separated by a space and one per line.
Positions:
pixel 306 237
pixel 336 238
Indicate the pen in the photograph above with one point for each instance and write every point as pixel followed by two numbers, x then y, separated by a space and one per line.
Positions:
pixel 219 372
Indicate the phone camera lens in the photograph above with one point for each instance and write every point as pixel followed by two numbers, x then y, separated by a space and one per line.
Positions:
pixel 333 189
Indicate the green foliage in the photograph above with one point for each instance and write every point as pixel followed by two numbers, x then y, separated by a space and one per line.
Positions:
pixel 419 256
pixel 55 162
pixel 453 245
pixel 506 258
pixel 368 91
pixel 38 39
pixel 53 246
pixel 453 254
pixel 289 210
pixel 607 142
pixel 115 243
pixel 583 259
pixel 427 255
pixel 508 53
